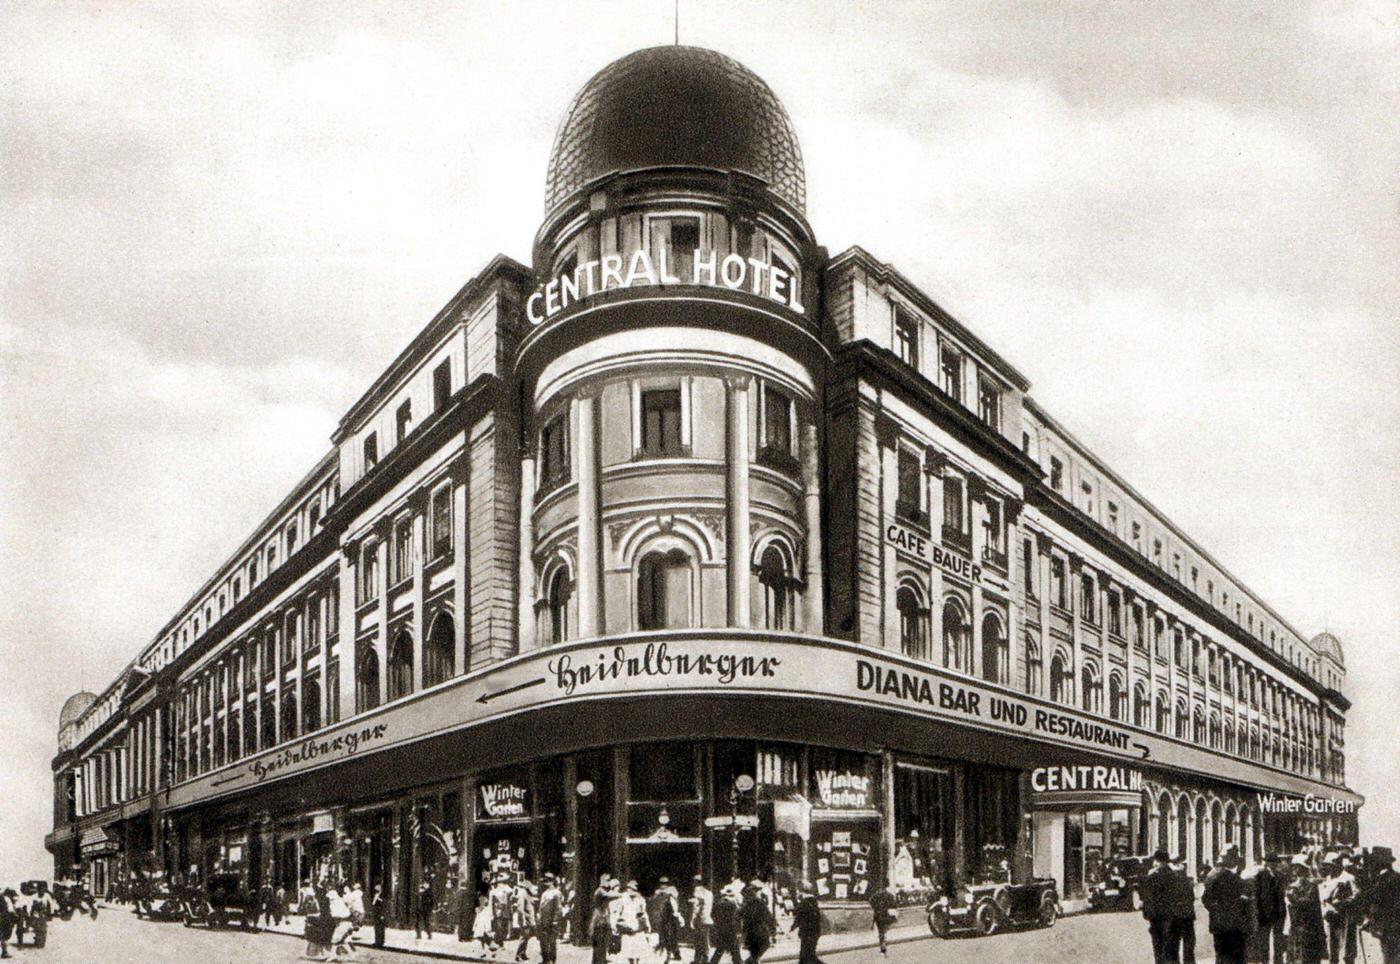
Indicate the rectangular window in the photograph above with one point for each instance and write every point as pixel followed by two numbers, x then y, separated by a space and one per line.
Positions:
pixel 1057 474
pixel 554 452
pixel 952 505
pixel 950 371
pixel 906 338
pixel 442 384
pixel 1115 614
pixel 992 530
pixel 908 501
pixel 661 422
pixel 777 422
pixel 442 521
pixel 333 691
pixel 676 239
pixel 371 451
pixel 1028 555
pixel 1088 608
pixel 403 420
pixel 1113 517
pixel 403 550
pixel 989 402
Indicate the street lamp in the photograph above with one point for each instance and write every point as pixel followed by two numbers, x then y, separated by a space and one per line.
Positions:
pixel 743 784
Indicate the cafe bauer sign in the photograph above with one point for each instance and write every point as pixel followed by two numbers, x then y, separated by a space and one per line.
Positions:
pixel 692 548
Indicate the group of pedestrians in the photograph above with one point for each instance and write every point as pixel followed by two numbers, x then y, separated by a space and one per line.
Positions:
pixel 26 912
pixel 334 911
pixel 1302 910
pixel 518 909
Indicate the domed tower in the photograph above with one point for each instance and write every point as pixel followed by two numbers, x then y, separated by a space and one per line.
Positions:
pixel 671 365
pixel 73 709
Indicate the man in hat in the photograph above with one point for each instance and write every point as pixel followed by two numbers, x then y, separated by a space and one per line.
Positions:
pixel 1155 892
pixel 807 921
pixel 1337 891
pixel 1307 937
pixel 725 932
pixel 1382 903
pixel 702 905
pixel 600 926
pixel 523 915
pixel 665 912
pixel 1183 911
pixel 631 923
pixel 1270 909
pixel 549 920
pixel 1224 898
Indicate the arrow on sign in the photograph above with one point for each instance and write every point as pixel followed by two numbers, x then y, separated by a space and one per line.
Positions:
pixel 1145 751
pixel 488 697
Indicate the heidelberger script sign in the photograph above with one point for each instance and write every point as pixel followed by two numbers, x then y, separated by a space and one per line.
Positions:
pixel 707 269
pixel 703 663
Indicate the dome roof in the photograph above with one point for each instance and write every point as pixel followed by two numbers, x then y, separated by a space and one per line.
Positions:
pixel 1325 644
pixel 676 105
pixel 75 706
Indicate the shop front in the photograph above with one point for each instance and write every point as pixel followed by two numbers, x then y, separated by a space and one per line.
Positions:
pixel 1083 816
pixel 100 851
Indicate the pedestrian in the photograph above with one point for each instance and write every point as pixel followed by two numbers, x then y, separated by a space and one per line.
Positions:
pixel 807 921
pixel 631 923
pixel 423 911
pixel 600 926
pixel 549 920
pixel 7 922
pixel 44 911
pixel 355 900
pixel 1337 891
pixel 265 897
pixel 280 908
pixel 1270 911
pixel 1307 937
pixel 883 913
pixel 1154 890
pixel 377 914
pixel 502 897
pixel 702 904
pixel 756 918
pixel 726 928
pixel 665 912
pixel 19 903
pixel 523 915
pixel 310 910
pixel 1382 905
pixel 1183 911
pixel 1224 899
pixel 482 925
pixel 340 924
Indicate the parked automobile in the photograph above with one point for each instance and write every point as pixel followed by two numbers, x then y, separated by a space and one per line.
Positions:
pixel 1118 888
pixel 221 901
pixel 988 908
pixel 156 899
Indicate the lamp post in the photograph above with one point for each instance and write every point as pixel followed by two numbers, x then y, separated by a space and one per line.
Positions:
pixel 743 784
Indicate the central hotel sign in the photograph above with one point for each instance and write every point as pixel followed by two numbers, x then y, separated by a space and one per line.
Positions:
pixel 706 268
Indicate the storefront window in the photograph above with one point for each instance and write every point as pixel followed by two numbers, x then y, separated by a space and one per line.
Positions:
pixel 1093 847
pixel 922 862
pixel 845 824
pixel 992 804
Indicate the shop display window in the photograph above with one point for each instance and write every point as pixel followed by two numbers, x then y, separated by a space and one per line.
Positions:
pixel 992 803
pixel 922 862
pixel 844 788
pixel 1093 847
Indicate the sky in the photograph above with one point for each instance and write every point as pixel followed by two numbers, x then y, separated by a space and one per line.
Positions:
pixel 220 223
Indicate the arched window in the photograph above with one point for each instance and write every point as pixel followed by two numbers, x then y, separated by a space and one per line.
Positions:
pixel 1198 727
pixel 1164 714
pixel 1229 737
pixel 311 705
pixel 1183 721
pixel 367 680
pixel 1091 697
pixel 1214 731
pixel 558 595
pixel 663 590
pixel 1033 665
pixel 776 582
pixel 439 652
pixel 957 650
pixel 1179 648
pixel 1117 698
pixel 1060 680
pixel 1141 707
pixel 401 666
pixel 996 659
pixel 913 621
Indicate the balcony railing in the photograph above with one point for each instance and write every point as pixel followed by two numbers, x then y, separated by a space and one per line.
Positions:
pixel 994 557
pixel 957 539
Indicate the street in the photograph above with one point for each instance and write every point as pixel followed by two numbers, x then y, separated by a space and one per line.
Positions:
pixel 118 937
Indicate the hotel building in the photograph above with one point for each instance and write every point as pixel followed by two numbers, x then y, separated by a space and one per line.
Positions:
pixel 693 548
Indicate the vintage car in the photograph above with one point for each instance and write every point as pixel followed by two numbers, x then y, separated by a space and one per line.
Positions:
pixel 156 899
pixel 221 901
pixel 71 896
pixel 992 907
pixel 1117 889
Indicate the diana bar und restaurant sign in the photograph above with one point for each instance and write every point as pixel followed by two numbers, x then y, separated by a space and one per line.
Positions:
pixel 706 268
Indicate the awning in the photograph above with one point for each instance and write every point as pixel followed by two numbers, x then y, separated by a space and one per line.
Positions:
pixel 96 841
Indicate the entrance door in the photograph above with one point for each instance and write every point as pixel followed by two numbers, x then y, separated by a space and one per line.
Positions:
pixel 1049 843
pixel 648 863
pixel 1074 855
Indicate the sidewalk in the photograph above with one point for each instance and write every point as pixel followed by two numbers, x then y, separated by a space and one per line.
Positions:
pixel 448 947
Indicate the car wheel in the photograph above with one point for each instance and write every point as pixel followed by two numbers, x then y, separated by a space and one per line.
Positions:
pixel 986 920
pixel 938 921
pixel 1048 911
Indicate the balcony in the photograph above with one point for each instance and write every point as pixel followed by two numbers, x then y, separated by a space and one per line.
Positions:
pixel 994 558
pixel 958 539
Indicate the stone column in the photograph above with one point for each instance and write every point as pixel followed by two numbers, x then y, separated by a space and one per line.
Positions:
pixel 736 437
pixel 887 438
pixel 461 560
pixel 381 638
pixel 887 813
pixel 590 587
pixel 418 543
pixel 345 634
pixel 934 464
pixel 814 608
pixel 1047 642
pixel 525 618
